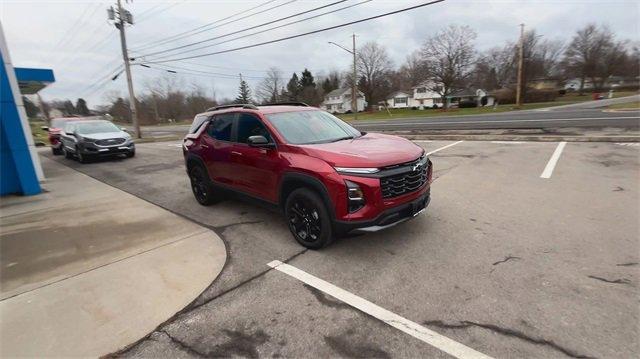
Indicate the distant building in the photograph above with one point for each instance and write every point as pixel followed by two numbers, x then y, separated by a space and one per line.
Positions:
pixel 339 101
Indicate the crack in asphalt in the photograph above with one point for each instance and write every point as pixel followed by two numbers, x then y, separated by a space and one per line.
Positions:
pixel 224 227
pixel 629 264
pixel 184 346
pixel 507 332
pixel 507 258
pixel 613 281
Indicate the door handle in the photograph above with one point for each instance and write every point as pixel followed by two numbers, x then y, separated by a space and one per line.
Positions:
pixel 236 153
pixel 204 146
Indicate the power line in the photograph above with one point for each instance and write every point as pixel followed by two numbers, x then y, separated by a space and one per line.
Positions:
pixel 70 33
pixel 263 31
pixel 184 70
pixel 246 29
pixel 180 35
pixel 150 14
pixel 302 34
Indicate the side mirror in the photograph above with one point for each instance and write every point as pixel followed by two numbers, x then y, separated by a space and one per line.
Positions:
pixel 124 129
pixel 44 128
pixel 260 141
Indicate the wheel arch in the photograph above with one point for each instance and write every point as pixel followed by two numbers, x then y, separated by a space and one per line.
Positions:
pixel 294 180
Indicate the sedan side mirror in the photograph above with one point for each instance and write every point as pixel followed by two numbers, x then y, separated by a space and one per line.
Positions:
pixel 260 141
pixel 44 128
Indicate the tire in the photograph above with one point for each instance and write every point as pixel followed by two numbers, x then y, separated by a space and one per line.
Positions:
pixel 203 190
pixel 308 219
pixel 81 158
pixel 131 154
pixel 66 153
pixel 56 151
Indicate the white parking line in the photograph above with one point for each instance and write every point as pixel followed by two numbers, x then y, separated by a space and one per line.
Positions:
pixel 548 170
pixel 444 147
pixel 417 331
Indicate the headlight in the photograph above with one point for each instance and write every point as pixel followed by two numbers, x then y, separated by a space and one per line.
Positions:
pixel 355 196
pixel 356 170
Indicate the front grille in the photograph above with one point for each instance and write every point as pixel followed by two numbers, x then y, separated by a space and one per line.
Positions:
pixel 406 182
pixel 110 142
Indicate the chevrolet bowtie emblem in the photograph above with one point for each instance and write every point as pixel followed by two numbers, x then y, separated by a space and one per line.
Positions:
pixel 416 167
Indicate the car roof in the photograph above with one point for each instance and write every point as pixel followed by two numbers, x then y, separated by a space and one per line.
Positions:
pixel 91 121
pixel 266 110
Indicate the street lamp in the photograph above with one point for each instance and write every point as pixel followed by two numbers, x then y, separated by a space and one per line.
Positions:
pixel 354 89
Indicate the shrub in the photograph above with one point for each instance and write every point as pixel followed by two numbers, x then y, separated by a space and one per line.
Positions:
pixel 467 104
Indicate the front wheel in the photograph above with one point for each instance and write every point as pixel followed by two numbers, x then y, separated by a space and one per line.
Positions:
pixel 131 154
pixel 56 151
pixel 308 219
pixel 82 158
pixel 66 153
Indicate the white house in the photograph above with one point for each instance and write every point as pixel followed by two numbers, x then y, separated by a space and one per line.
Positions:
pixel 424 97
pixel 400 99
pixel 339 101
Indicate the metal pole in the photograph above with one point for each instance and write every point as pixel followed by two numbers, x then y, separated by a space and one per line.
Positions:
pixel 127 68
pixel 520 66
pixel 354 88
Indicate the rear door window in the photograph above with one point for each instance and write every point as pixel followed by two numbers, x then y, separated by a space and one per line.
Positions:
pixel 220 127
pixel 197 122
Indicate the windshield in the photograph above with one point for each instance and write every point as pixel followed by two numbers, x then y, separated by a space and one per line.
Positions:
pixel 309 127
pixel 87 128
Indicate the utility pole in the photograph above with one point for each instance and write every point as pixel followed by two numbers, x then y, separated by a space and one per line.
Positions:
pixel 520 67
pixel 125 17
pixel 354 88
pixel 354 85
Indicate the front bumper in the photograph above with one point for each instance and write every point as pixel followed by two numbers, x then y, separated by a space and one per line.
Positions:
pixel 388 218
pixel 93 150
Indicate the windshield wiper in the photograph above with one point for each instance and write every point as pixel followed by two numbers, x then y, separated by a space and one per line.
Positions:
pixel 342 138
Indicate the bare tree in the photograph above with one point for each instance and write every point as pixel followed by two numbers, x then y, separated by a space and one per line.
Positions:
pixel 268 90
pixel 449 55
pixel 593 54
pixel 373 66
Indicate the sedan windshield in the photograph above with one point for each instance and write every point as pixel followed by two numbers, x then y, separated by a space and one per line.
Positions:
pixel 87 128
pixel 310 127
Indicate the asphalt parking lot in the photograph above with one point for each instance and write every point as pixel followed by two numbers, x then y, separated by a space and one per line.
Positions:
pixel 528 249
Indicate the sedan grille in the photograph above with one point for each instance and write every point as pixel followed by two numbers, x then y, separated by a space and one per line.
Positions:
pixel 399 184
pixel 110 142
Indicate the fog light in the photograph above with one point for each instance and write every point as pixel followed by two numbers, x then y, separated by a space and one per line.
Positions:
pixel 355 196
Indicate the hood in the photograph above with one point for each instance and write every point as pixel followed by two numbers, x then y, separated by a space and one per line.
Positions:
pixel 106 135
pixel 370 150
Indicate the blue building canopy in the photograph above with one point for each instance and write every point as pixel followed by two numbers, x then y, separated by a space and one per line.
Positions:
pixel 31 81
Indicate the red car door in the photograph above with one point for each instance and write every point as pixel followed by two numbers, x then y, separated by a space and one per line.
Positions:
pixel 255 169
pixel 217 147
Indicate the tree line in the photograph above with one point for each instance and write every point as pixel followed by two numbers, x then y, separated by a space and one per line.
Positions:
pixel 446 62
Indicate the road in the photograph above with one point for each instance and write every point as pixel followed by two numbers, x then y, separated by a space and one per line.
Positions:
pixel 587 115
pixel 522 253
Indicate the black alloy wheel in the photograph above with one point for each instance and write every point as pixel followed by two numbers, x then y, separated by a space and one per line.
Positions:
pixel 202 189
pixel 308 219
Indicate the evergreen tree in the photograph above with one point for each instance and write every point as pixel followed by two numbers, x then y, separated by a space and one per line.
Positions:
pixel 244 92
pixel 31 109
pixel 69 109
pixel 81 107
pixel 307 79
pixel 308 93
pixel 293 88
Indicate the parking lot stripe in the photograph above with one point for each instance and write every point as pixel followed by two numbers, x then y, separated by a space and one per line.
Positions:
pixel 548 170
pixel 444 147
pixel 417 331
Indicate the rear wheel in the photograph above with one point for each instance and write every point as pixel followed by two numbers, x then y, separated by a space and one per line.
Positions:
pixel 66 152
pixel 308 219
pixel 204 192
pixel 82 158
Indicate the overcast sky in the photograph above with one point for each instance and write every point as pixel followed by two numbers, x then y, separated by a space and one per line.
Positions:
pixel 75 39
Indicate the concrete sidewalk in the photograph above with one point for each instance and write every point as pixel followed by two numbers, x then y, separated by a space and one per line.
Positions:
pixel 86 269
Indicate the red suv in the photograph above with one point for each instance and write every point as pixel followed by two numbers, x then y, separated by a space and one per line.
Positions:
pixel 327 177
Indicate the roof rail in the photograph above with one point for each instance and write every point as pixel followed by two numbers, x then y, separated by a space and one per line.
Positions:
pixel 291 103
pixel 241 105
